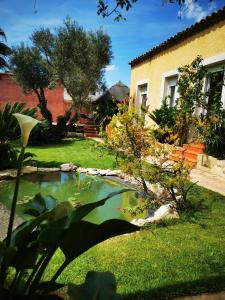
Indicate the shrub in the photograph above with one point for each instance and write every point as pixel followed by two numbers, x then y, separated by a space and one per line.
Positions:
pixel 46 133
pixel 165 118
pixel 8 156
pixel 213 130
pixel 191 97
pixel 133 144
pixel 9 128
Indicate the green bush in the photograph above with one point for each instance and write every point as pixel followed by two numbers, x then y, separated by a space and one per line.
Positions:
pixel 46 133
pixel 165 118
pixel 9 128
pixel 8 156
pixel 215 138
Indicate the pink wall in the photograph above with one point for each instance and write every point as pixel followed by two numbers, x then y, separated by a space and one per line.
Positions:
pixel 12 92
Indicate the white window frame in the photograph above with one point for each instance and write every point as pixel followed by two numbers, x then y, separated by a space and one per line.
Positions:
pixel 165 77
pixel 213 63
pixel 213 69
pixel 138 85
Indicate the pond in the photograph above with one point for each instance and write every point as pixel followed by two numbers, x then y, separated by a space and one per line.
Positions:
pixel 73 187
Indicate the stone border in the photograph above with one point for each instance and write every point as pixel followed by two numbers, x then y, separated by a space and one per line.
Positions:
pixel 69 167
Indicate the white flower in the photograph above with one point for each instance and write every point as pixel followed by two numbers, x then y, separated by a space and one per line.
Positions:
pixel 26 123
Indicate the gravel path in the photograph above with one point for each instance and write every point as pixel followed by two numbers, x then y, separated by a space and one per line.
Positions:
pixel 4 218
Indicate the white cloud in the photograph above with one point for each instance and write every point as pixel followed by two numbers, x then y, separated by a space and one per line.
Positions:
pixel 193 10
pixel 111 68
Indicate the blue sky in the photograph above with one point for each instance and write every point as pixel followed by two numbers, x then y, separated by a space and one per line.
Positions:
pixel 148 24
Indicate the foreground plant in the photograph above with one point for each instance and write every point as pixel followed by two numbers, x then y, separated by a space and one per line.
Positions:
pixel 29 248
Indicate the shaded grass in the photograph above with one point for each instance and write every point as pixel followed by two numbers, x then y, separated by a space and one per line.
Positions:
pixel 180 258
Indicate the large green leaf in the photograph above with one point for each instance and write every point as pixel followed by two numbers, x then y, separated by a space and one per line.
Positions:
pixel 81 211
pixel 21 232
pixel 97 286
pixel 49 286
pixel 83 235
pixel 51 234
pixel 40 204
pixel 27 254
pixel 23 243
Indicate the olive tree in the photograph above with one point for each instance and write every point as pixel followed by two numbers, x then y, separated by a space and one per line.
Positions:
pixel 70 56
pixel 4 50
pixel 80 59
pixel 32 74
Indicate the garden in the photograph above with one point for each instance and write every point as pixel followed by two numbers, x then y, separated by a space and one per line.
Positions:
pixel 88 224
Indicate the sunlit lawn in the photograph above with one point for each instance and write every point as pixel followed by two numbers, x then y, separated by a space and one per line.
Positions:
pixel 85 153
pixel 186 257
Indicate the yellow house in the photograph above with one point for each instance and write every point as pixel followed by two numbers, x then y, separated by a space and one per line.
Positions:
pixel 155 73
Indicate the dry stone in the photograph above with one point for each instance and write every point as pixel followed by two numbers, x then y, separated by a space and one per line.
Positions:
pixel 93 172
pixel 113 173
pixel 48 170
pixel 29 170
pixel 8 174
pixel 166 211
pixel 81 170
pixel 67 167
pixel 103 172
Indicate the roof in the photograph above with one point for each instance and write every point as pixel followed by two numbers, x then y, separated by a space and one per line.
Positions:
pixel 118 92
pixel 209 21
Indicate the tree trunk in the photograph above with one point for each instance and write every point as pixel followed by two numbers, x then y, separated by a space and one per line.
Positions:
pixel 43 105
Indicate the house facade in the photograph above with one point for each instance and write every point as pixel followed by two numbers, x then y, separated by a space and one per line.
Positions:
pixel 155 73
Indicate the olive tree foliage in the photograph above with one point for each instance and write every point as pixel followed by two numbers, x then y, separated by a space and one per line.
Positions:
pixel 4 50
pixel 116 7
pixel 32 74
pixel 76 57
pixel 69 56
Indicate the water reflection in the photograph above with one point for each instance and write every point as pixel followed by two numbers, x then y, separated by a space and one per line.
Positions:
pixel 73 187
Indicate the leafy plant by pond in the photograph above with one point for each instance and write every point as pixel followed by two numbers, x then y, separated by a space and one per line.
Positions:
pixel 29 248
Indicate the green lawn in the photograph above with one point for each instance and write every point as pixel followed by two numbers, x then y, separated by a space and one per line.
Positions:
pixel 182 257
pixel 85 153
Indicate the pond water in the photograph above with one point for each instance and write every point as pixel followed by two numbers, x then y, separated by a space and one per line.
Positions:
pixel 73 187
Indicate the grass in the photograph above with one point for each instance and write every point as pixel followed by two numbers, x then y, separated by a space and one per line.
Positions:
pixel 81 152
pixel 182 257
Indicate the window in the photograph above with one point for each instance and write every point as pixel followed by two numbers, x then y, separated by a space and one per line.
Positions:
pixel 170 89
pixel 215 86
pixel 142 93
